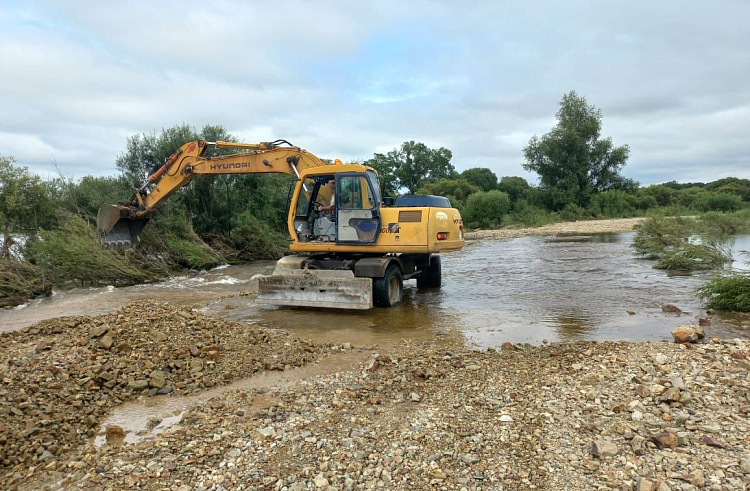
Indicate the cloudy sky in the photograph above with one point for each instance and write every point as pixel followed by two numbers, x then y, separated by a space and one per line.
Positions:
pixel 346 79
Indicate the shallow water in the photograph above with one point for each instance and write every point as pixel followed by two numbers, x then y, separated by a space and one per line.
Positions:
pixel 528 289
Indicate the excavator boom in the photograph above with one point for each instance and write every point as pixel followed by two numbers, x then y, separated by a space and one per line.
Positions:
pixel 120 225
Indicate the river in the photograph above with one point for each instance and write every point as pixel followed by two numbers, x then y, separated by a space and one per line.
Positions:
pixel 528 289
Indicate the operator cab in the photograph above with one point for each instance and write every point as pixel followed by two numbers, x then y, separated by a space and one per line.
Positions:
pixel 342 208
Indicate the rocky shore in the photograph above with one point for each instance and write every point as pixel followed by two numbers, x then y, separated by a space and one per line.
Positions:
pixel 611 225
pixel 643 416
pixel 62 376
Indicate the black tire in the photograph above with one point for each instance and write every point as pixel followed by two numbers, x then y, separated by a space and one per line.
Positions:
pixel 388 290
pixel 432 276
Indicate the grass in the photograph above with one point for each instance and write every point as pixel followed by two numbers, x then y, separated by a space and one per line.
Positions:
pixel 727 292
pixel 20 281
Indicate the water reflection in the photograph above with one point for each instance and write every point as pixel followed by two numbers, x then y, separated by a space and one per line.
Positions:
pixel 572 325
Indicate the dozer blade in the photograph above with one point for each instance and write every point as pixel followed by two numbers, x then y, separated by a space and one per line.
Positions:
pixel 316 288
pixel 116 227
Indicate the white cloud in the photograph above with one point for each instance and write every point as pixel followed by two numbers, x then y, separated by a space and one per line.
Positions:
pixel 347 79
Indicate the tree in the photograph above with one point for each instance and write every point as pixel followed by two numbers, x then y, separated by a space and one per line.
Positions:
pixel 572 161
pixel 455 188
pixel 516 187
pixel 481 177
pixel 411 166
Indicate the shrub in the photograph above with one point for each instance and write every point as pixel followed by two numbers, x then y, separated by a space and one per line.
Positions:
pixel 486 209
pixel 690 257
pixel 611 203
pixel 727 292
pixel 72 253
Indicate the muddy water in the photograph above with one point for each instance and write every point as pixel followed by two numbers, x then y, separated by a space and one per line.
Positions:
pixel 521 290
pixel 144 419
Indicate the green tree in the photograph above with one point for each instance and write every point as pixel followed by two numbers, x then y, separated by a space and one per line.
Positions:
pixel 572 161
pixel 26 202
pixel 516 187
pixel 481 177
pixel 486 209
pixel 456 188
pixel 411 166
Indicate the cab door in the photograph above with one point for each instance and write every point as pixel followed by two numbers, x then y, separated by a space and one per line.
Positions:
pixel 357 208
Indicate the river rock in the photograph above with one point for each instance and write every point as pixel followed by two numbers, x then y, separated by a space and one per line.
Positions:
pixel 157 379
pixel 138 384
pixel 713 442
pixel 671 395
pixel 106 342
pixel 98 331
pixel 665 439
pixel 604 448
pixel 644 484
pixel 687 334
pixel 671 309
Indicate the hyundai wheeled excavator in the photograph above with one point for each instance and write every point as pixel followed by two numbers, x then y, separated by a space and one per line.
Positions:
pixel 350 248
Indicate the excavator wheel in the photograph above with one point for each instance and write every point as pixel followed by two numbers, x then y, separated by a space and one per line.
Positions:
pixel 388 290
pixel 432 276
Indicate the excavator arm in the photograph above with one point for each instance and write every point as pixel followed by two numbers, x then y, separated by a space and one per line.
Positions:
pixel 120 224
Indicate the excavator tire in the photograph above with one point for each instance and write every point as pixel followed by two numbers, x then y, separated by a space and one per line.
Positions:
pixel 432 276
pixel 388 290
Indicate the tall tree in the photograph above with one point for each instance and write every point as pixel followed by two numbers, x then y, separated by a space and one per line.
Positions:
pixel 412 166
pixel 482 177
pixel 572 161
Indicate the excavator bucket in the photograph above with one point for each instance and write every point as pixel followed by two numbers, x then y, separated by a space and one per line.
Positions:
pixel 116 227
pixel 338 289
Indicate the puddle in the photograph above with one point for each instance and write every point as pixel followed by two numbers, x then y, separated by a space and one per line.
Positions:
pixel 144 419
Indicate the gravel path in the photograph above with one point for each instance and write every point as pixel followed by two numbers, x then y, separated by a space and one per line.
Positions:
pixel 582 416
pixel 613 225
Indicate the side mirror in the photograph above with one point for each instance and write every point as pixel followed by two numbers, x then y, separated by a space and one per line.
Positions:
pixel 388 201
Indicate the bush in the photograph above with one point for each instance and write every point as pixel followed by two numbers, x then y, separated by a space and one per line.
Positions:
pixel 486 209
pixel 73 254
pixel 254 239
pixel 691 257
pixel 613 203
pixel 658 234
pixel 727 292
pixel 20 281
pixel 572 212
pixel 717 201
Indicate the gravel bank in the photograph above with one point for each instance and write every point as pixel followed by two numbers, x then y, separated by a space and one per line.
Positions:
pixel 61 377
pixel 645 416
pixel 614 225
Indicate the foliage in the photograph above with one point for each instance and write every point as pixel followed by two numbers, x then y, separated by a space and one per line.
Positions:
pixel 481 177
pixel 692 256
pixel 486 209
pixel 411 166
pixel 516 187
pixel 459 189
pixel 26 201
pixel 612 203
pixel 572 161
pixel 19 281
pixel 658 234
pixel 727 292
pixel 72 253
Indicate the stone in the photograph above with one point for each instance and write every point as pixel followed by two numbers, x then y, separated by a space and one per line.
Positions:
pixel 196 365
pixel 138 384
pixel 687 334
pixel 665 439
pixel 167 389
pixel 679 383
pixel 414 397
pixel 157 379
pixel 636 415
pixel 631 312
pixel 469 459
pixel 194 351
pixel 604 448
pixel 506 418
pixel 114 434
pixel 661 359
pixel 106 342
pixel 321 482
pixel 745 466
pixel 644 484
pixel 99 331
pixel 670 309
pixel 671 395
pixel 507 346
pixel 638 444
pixel 704 321
pixel 713 442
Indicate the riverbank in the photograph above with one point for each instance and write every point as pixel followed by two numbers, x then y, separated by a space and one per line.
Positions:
pixel 611 225
pixel 646 416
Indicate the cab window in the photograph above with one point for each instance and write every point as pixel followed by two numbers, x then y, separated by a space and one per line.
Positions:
pixel 353 193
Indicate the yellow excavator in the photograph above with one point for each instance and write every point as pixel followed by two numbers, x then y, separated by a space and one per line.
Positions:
pixel 351 248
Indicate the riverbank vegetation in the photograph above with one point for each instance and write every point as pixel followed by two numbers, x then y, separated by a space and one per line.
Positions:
pixel 48 225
